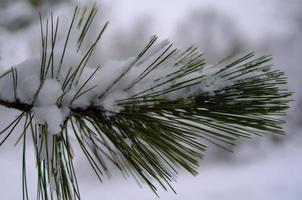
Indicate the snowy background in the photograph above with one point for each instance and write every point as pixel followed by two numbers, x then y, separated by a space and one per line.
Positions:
pixel 267 168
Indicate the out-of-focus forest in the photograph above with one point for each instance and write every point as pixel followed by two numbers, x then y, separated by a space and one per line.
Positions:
pixel 265 167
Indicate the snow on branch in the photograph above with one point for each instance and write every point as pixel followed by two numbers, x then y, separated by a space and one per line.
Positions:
pixel 148 114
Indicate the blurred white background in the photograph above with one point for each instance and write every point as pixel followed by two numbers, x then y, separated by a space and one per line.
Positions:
pixel 267 168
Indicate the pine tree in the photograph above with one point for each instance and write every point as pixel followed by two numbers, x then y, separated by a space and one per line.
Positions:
pixel 148 119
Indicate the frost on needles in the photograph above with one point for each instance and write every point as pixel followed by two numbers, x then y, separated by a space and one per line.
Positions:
pixel 147 115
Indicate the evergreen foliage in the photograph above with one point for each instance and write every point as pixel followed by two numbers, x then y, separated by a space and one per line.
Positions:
pixel 153 136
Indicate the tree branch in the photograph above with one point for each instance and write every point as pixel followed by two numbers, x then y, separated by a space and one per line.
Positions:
pixel 16 105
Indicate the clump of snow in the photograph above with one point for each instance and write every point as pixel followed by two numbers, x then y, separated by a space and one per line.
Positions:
pixel 50 115
pixel 28 80
pixel 6 89
pixel 109 101
pixel 49 93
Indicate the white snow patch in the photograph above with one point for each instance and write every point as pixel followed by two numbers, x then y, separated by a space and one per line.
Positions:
pixel 50 115
pixel 108 101
pixel 50 92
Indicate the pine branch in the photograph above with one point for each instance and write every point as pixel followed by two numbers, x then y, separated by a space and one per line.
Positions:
pixel 149 119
